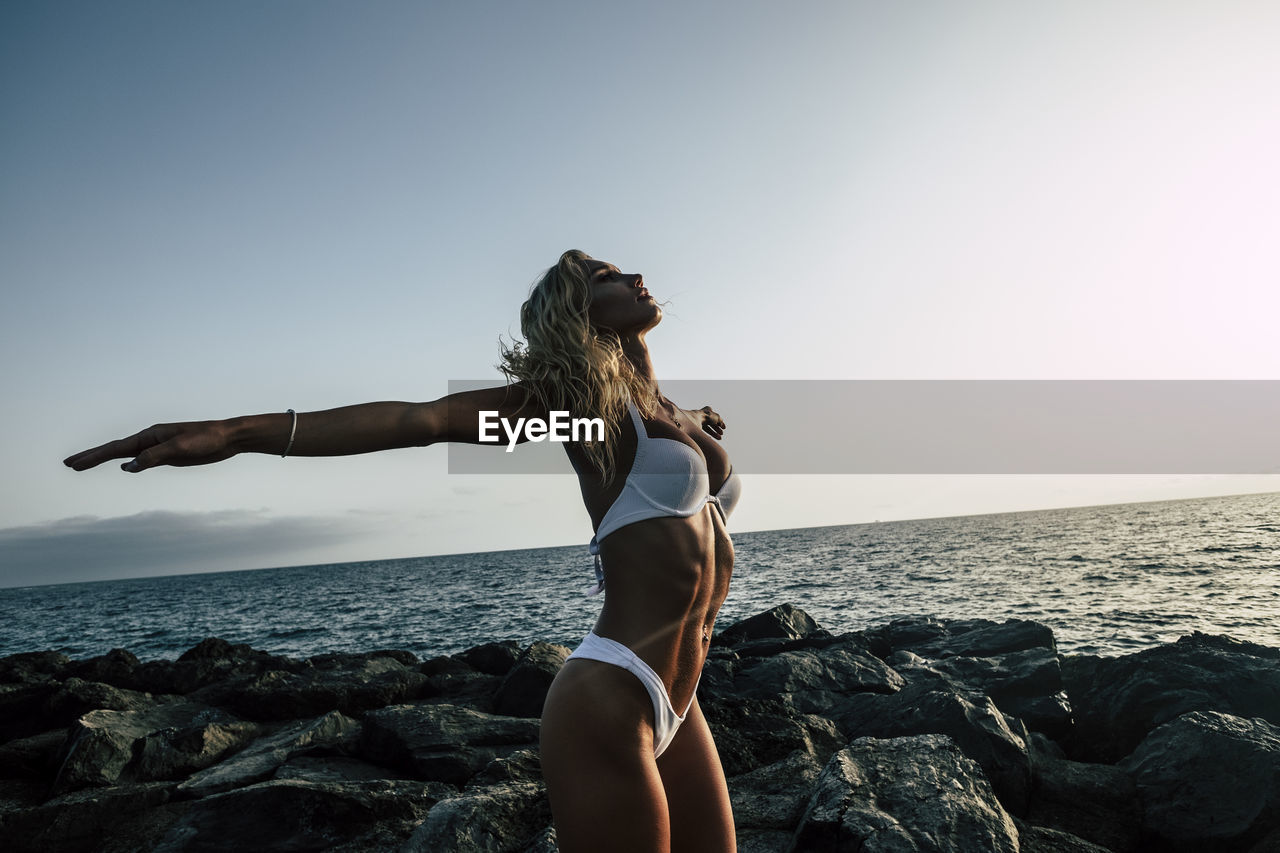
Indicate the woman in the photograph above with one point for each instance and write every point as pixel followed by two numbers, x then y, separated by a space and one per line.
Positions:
pixel 626 752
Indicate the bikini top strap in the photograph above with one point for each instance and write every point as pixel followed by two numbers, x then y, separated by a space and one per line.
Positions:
pixel 637 421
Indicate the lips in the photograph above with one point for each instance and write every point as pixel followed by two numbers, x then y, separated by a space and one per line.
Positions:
pixel 644 294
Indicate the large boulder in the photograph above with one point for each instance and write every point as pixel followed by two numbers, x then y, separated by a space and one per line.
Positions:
pixel 209 662
pixel 505 818
pixel 1096 802
pixel 32 667
pixel 774 796
pixel 115 667
pixel 942 638
pixel 524 689
pixel 904 795
pixel 332 732
pixel 32 757
pixel 816 680
pixel 1118 701
pixel 451 680
pixel 752 733
pixel 105 746
pixel 1042 839
pixel 297 815
pixel 333 768
pixel 176 753
pixel 79 820
pixel 1209 781
pixel 1026 684
pixel 971 721
pixel 492 658
pixel 38 706
pixel 784 622
pixel 350 684
pixel 446 743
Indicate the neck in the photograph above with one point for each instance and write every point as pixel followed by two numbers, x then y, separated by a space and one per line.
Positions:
pixel 637 352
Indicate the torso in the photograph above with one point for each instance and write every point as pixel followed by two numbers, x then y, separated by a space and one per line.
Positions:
pixel 666 577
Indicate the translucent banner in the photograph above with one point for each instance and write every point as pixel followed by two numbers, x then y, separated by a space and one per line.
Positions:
pixel 957 427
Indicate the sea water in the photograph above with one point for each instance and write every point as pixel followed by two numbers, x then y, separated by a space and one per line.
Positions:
pixel 1107 580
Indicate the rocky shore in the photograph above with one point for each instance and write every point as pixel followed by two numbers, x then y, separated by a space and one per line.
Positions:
pixel 921 735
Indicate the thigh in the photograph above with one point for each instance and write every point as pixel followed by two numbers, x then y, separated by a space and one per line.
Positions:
pixel 597 759
pixel 698 805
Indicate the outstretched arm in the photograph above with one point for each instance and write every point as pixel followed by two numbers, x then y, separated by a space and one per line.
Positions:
pixel 363 428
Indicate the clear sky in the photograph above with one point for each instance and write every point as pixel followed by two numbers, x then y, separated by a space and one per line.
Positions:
pixel 219 208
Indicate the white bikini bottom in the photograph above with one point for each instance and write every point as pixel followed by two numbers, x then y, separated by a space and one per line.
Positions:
pixel 665 719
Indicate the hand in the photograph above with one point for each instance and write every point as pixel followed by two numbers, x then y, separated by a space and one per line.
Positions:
pixel 711 423
pixel 196 443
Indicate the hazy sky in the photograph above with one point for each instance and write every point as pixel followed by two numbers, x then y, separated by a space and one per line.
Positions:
pixel 210 209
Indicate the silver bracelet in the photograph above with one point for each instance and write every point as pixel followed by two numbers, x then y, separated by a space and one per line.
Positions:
pixel 293 432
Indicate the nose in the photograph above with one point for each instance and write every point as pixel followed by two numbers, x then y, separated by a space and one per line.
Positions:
pixel 639 282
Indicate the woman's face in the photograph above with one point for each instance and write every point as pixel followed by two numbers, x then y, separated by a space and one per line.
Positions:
pixel 620 301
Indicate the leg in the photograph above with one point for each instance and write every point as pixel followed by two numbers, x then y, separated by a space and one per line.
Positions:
pixel 597 759
pixel 697 795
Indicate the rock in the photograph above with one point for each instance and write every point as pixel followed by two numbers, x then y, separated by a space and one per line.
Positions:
pixel 175 753
pixel 258 761
pixel 446 743
pixel 543 842
pixel 332 768
pixel 763 840
pixel 216 649
pixel 905 794
pixel 77 697
pixel 524 689
pixel 295 815
pixel 452 681
pixel 400 656
pixel 751 733
pixel 80 820
pixel 115 667
pixel 1209 781
pixel 1096 802
pixel 499 818
pixel 492 658
pixel 350 684
pixel 814 680
pixel 782 622
pixel 975 725
pixel 28 709
pixel 1039 745
pixel 523 765
pixel 16 795
pixel 32 667
pixel 1039 839
pixel 774 796
pixel 32 757
pixel 143 830
pixel 942 638
pixel 1269 844
pixel 104 746
pixel 209 662
pixel 1026 684
pixel 1118 701
pixel 450 665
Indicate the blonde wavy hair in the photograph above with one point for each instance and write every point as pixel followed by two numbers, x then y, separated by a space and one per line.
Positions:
pixel 570 365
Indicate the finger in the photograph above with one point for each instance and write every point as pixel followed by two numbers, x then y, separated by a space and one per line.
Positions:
pixel 118 449
pixel 121 448
pixel 150 457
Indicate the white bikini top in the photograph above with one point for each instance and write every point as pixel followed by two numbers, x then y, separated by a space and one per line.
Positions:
pixel 667 478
